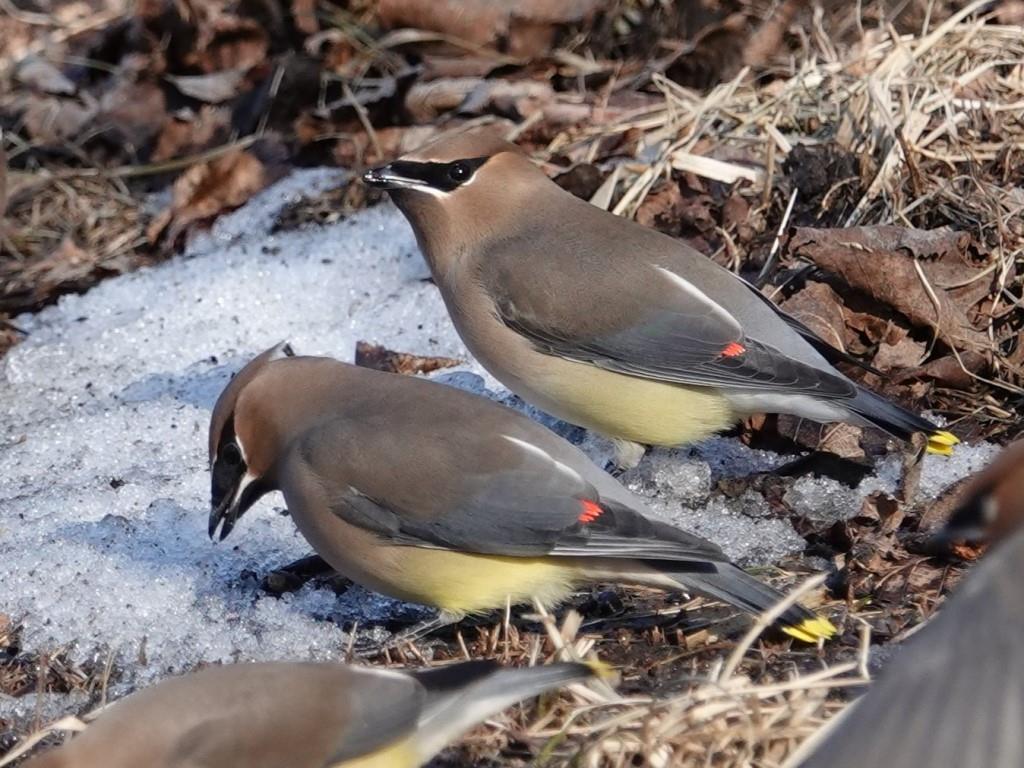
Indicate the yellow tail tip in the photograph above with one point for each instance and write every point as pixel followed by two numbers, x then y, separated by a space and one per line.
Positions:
pixel 602 670
pixel 942 442
pixel 812 630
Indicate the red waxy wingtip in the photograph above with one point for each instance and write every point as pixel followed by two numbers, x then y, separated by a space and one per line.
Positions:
pixel 591 511
pixel 733 349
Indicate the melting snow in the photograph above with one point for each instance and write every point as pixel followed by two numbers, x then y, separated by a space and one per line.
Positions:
pixel 104 491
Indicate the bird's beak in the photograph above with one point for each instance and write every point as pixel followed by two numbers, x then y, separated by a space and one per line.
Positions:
pixel 387 177
pixel 226 513
pixel 227 510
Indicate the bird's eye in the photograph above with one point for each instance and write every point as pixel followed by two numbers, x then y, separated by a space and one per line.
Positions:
pixel 458 172
pixel 230 455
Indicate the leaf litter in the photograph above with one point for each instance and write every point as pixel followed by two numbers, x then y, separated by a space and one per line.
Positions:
pixel 864 167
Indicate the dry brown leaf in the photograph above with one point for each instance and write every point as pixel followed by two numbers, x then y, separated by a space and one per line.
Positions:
pixel 768 38
pixel 904 353
pixel 136 111
pixel 304 16
pixel 860 255
pixel 527 27
pixel 843 440
pixel 208 189
pixel 358 151
pixel 1010 12
pixel 382 359
pixel 187 133
pixel 663 207
pixel 212 88
pixel 231 42
pixel 3 185
pixel 947 370
pixel 44 76
pixel 52 120
pixel 67 265
pixel 819 308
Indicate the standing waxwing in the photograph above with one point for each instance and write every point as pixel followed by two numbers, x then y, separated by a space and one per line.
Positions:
pixel 953 697
pixel 437 496
pixel 605 323
pixel 302 715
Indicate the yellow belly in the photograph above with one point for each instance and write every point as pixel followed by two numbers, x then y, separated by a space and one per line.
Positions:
pixel 461 583
pixel 627 407
pixel 400 755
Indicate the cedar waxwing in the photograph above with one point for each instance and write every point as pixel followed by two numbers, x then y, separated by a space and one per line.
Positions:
pixel 953 697
pixel 993 502
pixel 605 323
pixel 302 715
pixel 440 497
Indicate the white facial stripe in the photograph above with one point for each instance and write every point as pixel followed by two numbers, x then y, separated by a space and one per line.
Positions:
pixel 241 449
pixel 989 509
pixel 565 469
pixel 687 287
pixel 247 479
pixel 438 193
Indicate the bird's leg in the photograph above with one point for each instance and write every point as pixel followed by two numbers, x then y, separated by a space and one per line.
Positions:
pixel 289 578
pixel 627 455
pixel 419 630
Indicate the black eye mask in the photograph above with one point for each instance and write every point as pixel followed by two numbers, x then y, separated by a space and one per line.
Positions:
pixel 441 176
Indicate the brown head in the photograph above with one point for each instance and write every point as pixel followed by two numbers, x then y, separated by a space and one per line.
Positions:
pixel 272 400
pixel 992 505
pixel 460 190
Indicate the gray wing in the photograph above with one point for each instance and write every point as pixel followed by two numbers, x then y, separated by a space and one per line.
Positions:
pixel 314 714
pixel 954 695
pixel 486 492
pixel 646 315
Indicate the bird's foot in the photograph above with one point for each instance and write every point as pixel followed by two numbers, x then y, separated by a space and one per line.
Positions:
pixel 291 577
pixel 366 648
pixel 627 455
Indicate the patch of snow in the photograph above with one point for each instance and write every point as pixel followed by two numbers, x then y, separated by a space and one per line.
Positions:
pixel 104 488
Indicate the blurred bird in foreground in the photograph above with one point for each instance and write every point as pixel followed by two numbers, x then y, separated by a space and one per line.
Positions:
pixel 953 697
pixel 606 323
pixel 303 715
pixel 436 496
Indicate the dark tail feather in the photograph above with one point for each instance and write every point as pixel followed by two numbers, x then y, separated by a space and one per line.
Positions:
pixel 736 587
pixel 899 422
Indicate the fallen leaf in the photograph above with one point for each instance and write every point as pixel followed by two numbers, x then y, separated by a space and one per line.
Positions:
pixel 526 27
pixel 382 359
pixel 358 150
pixel 134 111
pixel 208 189
pixel 231 42
pixel 66 268
pixel 903 354
pixel 583 180
pixel 767 39
pixel 3 185
pixel 52 120
pixel 663 207
pixel 948 371
pixel 819 308
pixel 1010 12
pixel 44 76
pixel 304 16
pixel 212 88
pixel 843 440
pixel 860 255
pixel 188 132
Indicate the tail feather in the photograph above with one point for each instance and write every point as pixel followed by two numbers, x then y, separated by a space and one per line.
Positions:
pixel 899 422
pixel 736 587
pixel 462 695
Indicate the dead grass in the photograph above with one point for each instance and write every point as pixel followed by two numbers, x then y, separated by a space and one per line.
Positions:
pixel 933 120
